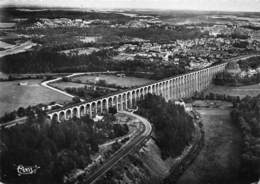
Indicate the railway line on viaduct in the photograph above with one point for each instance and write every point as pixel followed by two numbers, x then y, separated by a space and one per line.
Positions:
pixel 171 88
pixel 176 87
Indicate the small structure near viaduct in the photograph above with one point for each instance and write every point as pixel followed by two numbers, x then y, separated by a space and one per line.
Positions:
pixel 172 88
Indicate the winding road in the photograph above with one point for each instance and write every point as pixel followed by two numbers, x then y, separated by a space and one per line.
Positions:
pixel 46 83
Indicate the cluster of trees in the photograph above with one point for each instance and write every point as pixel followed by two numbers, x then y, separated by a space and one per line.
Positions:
pixel 32 16
pixel 241 44
pixel 159 34
pixel 252 62
pixel 8 117
pixel 14 78
pixel 87 92
pixel 215 96
pixel 238 35
pixel 155 70
pixel 164 71
pixel 253 27
pixel 30 111
pixel 56 148
pixel 48 61
pixel 104 83
pixel 235 100
pixel 247 117
pixel 120 129
pixel 100 83
pixel 225 78
pixel 77 44
pixel 64 38
pixel 173 127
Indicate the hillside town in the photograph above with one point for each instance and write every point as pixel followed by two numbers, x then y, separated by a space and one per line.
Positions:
pixel 198 53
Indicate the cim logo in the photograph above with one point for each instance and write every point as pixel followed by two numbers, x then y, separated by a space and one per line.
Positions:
pixel 27 170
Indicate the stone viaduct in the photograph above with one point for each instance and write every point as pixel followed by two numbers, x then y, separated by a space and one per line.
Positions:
pixel 172 88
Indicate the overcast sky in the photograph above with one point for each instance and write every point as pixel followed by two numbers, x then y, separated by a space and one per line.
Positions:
pixel 224 5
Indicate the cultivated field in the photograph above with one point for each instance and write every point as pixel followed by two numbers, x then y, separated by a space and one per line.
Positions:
pixel 17 48
pixel 112 79
pixel 13 96
pixel 251 90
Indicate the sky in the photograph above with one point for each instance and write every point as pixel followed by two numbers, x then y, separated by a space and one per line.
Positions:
pixel 219 5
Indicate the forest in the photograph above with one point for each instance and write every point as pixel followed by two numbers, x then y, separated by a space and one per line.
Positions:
pixel 46 60
pixel 246 116
pixel 251 63
pixel 32 16
pixel 172 126
pixel 57 148
pixel 49 61
pixel 160 34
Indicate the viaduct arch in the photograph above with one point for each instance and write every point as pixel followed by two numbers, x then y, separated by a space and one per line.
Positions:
pixel 177 87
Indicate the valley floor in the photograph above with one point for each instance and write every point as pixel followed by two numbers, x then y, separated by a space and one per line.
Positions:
pixel 219 159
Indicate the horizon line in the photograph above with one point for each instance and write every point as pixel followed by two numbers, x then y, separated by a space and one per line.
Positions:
pixel 123 8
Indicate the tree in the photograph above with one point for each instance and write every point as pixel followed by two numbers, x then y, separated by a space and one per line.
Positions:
pixel 120 130
pixel 112 110
pixel 116 146
pixel 21 112
pixel 76 100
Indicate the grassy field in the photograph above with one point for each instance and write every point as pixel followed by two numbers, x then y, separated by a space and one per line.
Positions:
pixel 13 96
pixel 219 160
pixel 112 79
pixel 251 90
